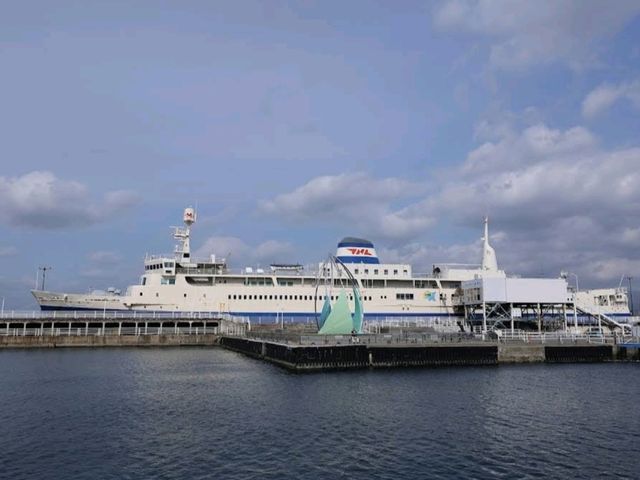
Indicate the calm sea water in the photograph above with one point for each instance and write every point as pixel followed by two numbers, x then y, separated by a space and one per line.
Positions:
pixel 209 413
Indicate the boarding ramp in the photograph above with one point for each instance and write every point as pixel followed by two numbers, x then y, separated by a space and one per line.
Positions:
pixel 606 319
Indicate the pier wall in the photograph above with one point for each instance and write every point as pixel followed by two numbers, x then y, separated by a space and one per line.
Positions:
pixel 303 358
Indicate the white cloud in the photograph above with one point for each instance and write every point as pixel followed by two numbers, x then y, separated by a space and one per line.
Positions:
pixel 237 252
pixel 41 200
pixel 604 96
pixel 363 203
pixel 535 143
pixel 525 33
pixel 556 200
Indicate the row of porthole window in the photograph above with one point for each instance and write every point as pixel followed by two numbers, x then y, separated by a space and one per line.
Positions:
pixel 288 297
pixel 376 271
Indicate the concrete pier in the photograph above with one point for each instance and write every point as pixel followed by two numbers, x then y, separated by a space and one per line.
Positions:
pixel 112 329
pixel 309 358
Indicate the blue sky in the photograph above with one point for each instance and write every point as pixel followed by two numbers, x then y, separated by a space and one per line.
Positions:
pixel 293 124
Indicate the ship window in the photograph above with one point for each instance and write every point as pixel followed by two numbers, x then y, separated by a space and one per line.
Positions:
pixel 234 297
pixel 245 297
pixel 395 272
pixel 185 295
pixel 157 294
pixel 140 293
pixel 375 272
pixel 144 280
pixel 386 272
pixel 280 297
pixel 404 271
pixel 357 271
pixel 270 297
pixel 366 271
pixel 260 297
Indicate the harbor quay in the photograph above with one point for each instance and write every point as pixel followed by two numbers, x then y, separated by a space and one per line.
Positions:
pixel 112 329
pixel 300 348
pixel 308 353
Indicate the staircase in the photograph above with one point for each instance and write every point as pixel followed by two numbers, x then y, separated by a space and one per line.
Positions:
pixel 607 320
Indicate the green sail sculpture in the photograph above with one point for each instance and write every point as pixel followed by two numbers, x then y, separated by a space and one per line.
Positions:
pixel 339 321
pixel 326 310
pixel 357 311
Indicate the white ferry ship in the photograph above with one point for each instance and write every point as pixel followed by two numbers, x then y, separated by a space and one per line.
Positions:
pixel 288 292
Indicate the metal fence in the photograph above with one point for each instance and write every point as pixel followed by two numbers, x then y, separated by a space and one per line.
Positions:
pixel 114 315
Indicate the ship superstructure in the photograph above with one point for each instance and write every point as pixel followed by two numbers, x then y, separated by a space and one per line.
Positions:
pixel 287 292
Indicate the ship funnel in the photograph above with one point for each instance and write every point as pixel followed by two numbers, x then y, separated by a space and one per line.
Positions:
pixel 356 250
pixel 489 260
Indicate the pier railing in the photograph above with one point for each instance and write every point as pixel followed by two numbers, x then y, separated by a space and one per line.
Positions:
pixel 412 338
pixel 88 323
pixel 10 315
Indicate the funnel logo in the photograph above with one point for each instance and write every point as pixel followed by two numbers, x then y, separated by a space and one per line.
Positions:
pixel 360 251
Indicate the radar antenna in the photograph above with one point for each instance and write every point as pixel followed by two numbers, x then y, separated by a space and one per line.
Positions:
pixel 182 234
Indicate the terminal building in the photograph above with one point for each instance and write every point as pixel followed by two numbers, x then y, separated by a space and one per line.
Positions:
pixel 493 300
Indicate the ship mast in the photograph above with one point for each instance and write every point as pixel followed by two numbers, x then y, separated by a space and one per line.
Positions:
pixel 489 260
pixel 182 234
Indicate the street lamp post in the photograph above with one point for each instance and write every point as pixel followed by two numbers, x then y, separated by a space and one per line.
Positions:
pixel 630 295
pixel 44 274
pixel 575 302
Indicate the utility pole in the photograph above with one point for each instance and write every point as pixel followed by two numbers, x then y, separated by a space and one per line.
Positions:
pixel 630 295
pixel 44 274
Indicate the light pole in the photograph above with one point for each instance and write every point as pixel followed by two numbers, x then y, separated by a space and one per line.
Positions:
pixel 44 274
pixel 629 278
pixel 575 297
pixel 575 302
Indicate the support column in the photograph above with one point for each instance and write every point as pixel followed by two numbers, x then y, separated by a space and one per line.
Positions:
pixel 512 326
pixel 484 317
pixel 539 314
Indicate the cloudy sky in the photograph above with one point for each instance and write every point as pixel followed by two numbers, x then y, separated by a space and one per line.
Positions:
pixel 293 124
